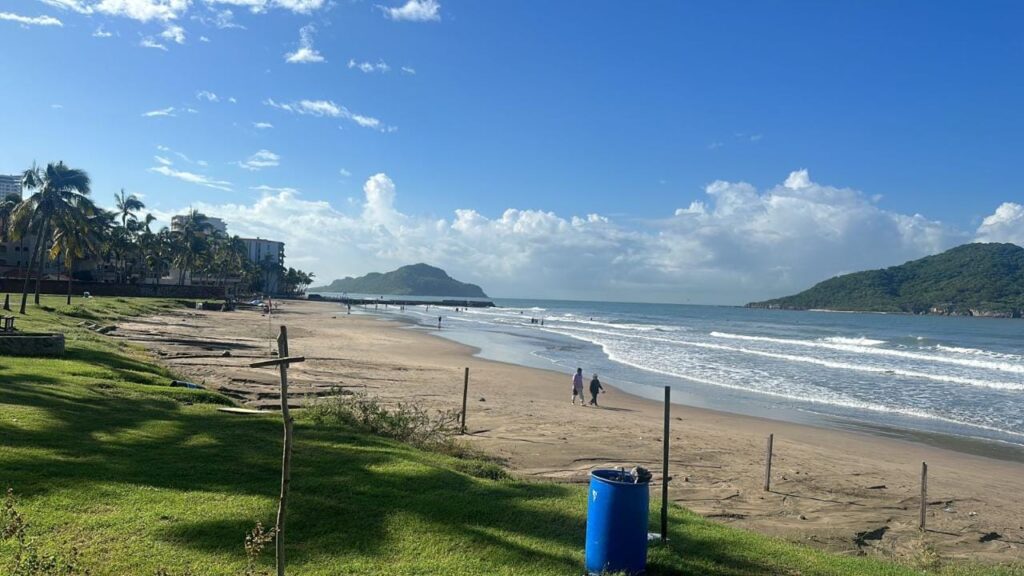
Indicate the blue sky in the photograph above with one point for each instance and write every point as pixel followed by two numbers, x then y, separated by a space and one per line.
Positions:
pixel 388 117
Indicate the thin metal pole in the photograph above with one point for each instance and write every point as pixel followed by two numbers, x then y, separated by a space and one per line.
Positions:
pixel 664 465
pixel 768 464
pixel 924 493
pixel 465 393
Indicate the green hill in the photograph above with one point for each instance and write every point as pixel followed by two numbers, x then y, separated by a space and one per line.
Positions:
pixel 969 280
pixel 414 280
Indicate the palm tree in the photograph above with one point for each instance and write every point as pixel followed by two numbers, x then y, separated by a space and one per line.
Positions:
pixel 191 242
pixel 7 205
pixel 58 190
pixel 76 235
pixel 127 205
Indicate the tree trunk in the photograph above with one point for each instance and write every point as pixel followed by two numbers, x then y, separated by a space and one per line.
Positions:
pixel 41 258
pixel 28 272
pixel 69 280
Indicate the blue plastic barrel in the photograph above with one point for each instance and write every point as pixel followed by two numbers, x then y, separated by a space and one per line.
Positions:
pixel 616 523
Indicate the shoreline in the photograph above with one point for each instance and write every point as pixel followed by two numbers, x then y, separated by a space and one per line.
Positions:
pixel 828 484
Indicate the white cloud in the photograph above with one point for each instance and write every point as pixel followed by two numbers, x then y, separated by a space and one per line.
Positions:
pixel 260 6
pixel 151 43
pixel 169 111
pixel 328 109
pixel 276 190
pixel 368 67
pixel 344 173
pixel 260 160
pixel 262 125
pixel 220 19
pixel 57 106
pixel 408 70
pixel 1006 224
pixel 31 20
pixel 734 245
pixel 174 33
pixel 101 33
pixel 192 178
pixel 143 10
pixel 181 155
pixel 207 95
pixel 415 11
pixel 73 5
pixel 204 39
pixel 163 160
pixel 306 53
pixel 232 100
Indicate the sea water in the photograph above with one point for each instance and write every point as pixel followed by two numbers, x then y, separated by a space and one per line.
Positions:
pixel 955 376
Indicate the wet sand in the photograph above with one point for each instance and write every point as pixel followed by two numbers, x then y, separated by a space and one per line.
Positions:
pixel 828 485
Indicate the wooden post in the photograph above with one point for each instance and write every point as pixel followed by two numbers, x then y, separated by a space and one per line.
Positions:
pixel 465 393
pixel 664 466
pixel 924 493
pixel 282 361
pixel 768 464
pixel 7 302
pixel 286 456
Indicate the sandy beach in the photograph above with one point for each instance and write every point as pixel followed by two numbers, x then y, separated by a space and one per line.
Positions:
pixel 829 486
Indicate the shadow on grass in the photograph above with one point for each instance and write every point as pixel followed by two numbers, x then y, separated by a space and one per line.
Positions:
pixel 354 498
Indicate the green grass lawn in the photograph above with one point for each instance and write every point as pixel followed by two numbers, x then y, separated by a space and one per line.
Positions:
pixel 103 456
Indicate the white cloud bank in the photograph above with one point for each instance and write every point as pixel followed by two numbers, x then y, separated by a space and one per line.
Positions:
pixel 168 10
pixel 31 20
pixel 736 245
pixel 1005 225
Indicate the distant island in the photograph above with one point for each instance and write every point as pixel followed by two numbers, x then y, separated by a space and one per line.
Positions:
pixel 969 280
pixel 414 280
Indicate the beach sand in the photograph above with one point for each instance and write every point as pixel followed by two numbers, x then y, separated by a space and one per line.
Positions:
pixel 828 485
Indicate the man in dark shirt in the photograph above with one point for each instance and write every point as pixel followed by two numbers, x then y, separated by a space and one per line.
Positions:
pixel 595 389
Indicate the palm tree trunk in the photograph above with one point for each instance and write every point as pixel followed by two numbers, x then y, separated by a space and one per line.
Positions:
pixel 28 272
pixel 69 280
pixel 41 259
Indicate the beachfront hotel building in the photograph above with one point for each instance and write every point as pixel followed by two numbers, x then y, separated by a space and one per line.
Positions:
pixel 10 184
pixel 216 224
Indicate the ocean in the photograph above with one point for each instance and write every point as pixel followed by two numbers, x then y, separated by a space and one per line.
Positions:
pixel 905 375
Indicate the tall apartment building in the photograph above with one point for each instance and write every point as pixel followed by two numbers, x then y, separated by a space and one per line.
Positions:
pixel 10 184
pixel 216 224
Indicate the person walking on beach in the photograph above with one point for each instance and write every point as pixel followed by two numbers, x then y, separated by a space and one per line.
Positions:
pixel 577 386
pixel 595 389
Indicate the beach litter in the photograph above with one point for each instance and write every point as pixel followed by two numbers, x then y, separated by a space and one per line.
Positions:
pixel 183 384
pixel 990 537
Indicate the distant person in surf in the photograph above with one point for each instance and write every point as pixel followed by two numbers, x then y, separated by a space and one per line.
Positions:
pixel 595 389
pixel 577 386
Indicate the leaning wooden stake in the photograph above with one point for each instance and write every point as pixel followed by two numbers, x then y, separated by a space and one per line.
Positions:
pixel 664 466
pixel 465 393
pixel 282 362
pixel 768 465
pixel 924 493
pixel 7 302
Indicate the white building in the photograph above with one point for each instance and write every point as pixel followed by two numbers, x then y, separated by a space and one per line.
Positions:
pixel 10 184
pixel 261 251
pixel 216 224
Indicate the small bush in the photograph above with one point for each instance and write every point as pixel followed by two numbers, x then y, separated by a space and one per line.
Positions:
pixel 404 422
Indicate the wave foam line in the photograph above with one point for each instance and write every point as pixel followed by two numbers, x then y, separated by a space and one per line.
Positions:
pixel 843 347
pixel 843 403
pixel 1013 386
